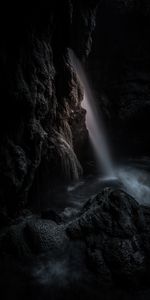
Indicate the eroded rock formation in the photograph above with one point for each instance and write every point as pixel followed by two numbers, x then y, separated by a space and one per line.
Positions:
pixel 101 251
pixel 41 119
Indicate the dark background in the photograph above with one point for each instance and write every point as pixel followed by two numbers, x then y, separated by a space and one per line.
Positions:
pixel 119 65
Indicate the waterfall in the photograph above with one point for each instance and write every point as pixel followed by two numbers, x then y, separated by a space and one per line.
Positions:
pixel 93 122
pixel 66 156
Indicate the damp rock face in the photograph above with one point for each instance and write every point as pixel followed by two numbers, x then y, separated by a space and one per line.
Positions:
pixel 40 111
pixel 103 251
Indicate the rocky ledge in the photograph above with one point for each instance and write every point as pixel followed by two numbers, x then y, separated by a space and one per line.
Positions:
pixel 102 250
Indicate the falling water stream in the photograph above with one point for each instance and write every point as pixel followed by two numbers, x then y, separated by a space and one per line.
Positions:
pixel 93 122
pixel 133 177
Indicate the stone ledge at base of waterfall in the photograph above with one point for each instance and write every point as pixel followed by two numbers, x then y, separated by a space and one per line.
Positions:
pixel 100 252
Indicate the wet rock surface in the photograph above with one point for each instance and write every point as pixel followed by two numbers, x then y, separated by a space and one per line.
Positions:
pixel 103 251
pixel 42 124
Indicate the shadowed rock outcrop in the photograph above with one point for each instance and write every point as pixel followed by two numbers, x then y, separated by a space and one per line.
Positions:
pixel 103 251
pixel 40 110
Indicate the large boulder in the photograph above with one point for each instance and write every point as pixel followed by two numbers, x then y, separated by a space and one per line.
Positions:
pixel 103 250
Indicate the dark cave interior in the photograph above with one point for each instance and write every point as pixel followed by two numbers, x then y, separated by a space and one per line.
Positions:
pixel 66 231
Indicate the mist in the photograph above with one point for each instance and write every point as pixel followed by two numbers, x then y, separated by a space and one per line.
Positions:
pixel 136 182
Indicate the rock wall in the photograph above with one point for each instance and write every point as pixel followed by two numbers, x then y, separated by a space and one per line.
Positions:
pixel 40 95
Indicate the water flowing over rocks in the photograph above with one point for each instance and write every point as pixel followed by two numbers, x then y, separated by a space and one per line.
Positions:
pixel 99 249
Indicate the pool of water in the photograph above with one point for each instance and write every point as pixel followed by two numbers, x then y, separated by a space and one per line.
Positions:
pixel 132 176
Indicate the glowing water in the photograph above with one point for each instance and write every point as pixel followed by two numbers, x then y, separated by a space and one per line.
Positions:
pixel 93 123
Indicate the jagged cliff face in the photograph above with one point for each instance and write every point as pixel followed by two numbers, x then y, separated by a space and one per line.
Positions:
pixel 40 109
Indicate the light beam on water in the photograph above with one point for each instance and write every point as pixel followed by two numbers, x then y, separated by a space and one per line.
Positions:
pixel 133 180
pixel 93 122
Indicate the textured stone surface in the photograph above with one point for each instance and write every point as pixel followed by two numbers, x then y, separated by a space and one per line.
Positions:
pixel 40 111
pixel 103 250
